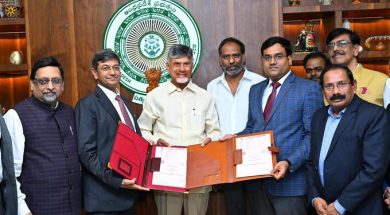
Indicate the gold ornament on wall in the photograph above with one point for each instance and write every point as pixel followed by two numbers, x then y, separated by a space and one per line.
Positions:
pixel 10 8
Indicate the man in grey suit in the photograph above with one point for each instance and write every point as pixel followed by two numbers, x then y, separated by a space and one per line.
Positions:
pixel 97 117
pixel 8 197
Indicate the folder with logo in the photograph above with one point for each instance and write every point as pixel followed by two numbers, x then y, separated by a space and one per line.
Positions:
pixel 178 169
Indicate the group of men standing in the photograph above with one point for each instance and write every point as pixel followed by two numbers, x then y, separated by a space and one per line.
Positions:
pixel 333 158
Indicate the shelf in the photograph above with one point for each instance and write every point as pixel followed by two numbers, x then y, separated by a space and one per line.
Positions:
pixel 369 56
pixel 12 69
pixel 326 11
pixel 12 21
pixel 336 7
pixel 365 56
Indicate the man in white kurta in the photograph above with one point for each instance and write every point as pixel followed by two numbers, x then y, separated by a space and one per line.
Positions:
pixel 179 113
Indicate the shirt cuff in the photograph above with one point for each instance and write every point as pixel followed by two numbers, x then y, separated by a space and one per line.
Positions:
pixel 339 207
pixel 23 208
pixel 312 201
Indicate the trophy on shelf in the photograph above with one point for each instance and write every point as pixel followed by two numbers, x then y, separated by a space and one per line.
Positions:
pixel 380 45
pixel 326 2
pixel 306 39
pixel 294 2
pixel 356 2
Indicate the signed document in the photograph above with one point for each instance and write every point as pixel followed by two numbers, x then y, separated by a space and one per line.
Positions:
pixel 173 167
pixel 256 157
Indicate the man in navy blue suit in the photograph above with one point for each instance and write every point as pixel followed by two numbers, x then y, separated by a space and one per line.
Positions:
pixel 284 103
pixel 349 149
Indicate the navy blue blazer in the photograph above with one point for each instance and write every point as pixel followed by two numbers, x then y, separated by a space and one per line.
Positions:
pixel 357 159
pixel 290 120
pixel 97 122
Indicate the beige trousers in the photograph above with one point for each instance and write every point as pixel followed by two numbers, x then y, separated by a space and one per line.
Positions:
pixel 171 203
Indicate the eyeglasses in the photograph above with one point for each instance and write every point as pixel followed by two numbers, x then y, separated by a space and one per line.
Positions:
pixel 44 81
pixel 106 68
pixel 339 85
pixel 234 56
pixel 277 57
pixel 340 43
pixel 316 69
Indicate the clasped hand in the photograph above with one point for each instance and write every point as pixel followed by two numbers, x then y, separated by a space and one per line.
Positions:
pixel 322 208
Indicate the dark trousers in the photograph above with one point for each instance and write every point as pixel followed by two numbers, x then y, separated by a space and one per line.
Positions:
pixel 289 205
pixel 235 198
pixel 259 200
pixel 130 211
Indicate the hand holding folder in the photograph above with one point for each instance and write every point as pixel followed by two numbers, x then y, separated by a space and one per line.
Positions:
pixel 181 168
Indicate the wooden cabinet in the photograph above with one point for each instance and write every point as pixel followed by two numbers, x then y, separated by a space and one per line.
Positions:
pixel 369 18
pixel 14 80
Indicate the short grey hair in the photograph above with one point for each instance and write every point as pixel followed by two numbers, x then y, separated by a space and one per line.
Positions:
pixel 179 51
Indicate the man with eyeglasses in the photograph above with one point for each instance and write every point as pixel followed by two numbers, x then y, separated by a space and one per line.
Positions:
pixel 284 103
pixel 231 95
pixel 43 134
pixel 349 152
pixel 97 115
pixel 314 63
pixel 343 47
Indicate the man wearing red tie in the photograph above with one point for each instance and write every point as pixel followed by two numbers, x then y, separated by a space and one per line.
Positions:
pixel 97 116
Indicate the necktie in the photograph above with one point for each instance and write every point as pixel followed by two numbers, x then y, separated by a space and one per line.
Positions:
pixel 125 115
pixel 270 101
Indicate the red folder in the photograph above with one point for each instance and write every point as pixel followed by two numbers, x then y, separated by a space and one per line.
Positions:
pixel 129 154
pixel 133 157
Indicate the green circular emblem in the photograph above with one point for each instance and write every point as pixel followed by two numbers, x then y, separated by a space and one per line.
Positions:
pixel 142 31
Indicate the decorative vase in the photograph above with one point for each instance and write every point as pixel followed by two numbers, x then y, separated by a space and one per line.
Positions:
pixel 16 57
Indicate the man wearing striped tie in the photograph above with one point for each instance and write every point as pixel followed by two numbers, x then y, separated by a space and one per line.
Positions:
pixel 97 117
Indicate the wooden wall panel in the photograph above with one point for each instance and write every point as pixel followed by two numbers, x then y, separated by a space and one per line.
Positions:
pixel 51 33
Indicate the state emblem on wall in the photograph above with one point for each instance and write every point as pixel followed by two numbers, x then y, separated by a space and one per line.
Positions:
pixel 141 33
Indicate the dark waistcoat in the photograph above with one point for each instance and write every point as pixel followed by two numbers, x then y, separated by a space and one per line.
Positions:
pixel 51 176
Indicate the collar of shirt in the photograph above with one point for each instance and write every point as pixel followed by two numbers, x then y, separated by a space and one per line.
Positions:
pixel 281 81
pixel 111 95
pixel 331 113
pixel 172 88
pixel 222 79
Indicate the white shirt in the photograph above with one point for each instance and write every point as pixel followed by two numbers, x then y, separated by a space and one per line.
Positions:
pixel 232 109
pixel 111 96
pixel 268 89
pixel 15 130
pixel 180 117
pixel 386 93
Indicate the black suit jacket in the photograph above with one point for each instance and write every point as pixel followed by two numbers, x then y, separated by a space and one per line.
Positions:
pixel 96 122
pixel 356 161
pixel 8 196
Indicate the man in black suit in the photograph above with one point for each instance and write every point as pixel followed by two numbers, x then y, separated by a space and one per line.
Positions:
pixel 8 197
pixel 349 152
pixel 97 116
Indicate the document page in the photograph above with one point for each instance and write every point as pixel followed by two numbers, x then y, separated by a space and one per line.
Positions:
pixel 173 168
pixel 256 158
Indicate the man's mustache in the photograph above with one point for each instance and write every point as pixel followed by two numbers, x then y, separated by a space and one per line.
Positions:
pixel 337 96
pixel 337 53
